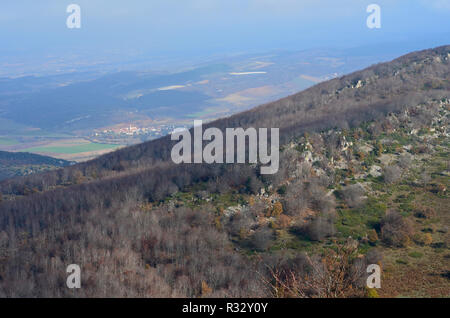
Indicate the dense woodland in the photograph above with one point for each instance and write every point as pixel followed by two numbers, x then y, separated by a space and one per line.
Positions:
pixel 13 164
pixel 141 226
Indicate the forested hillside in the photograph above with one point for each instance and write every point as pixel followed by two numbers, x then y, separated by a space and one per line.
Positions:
pixel 363 179
pixel 14 164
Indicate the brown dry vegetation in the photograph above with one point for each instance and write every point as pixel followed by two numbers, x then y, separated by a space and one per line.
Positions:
pixel 141 226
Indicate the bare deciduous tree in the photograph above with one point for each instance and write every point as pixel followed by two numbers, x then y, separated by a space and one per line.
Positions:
pixel 392 174
pixel 334 275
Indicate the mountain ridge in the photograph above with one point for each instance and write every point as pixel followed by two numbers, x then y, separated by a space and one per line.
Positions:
pixel 281 113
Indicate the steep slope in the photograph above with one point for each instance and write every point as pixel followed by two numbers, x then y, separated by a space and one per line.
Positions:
pixel 140 225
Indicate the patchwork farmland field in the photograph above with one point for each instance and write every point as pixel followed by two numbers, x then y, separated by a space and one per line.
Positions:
pixel 77 149
pixel 89 147
pixel 7 141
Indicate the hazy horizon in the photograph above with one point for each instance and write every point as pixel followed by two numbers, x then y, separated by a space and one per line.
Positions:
pixel 114 32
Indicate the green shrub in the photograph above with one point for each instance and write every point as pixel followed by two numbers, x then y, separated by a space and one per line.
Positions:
pixel 372 293
pixel 415 254
pixel 282 190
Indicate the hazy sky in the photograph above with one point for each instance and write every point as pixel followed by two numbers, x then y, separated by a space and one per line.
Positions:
pixel 213 26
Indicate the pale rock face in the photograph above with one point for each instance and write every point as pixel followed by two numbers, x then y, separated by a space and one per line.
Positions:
pixel 341 164
pixel 345 144
pixel 308 156
pixel 366 148
pixel 232 210
pixel 375 171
